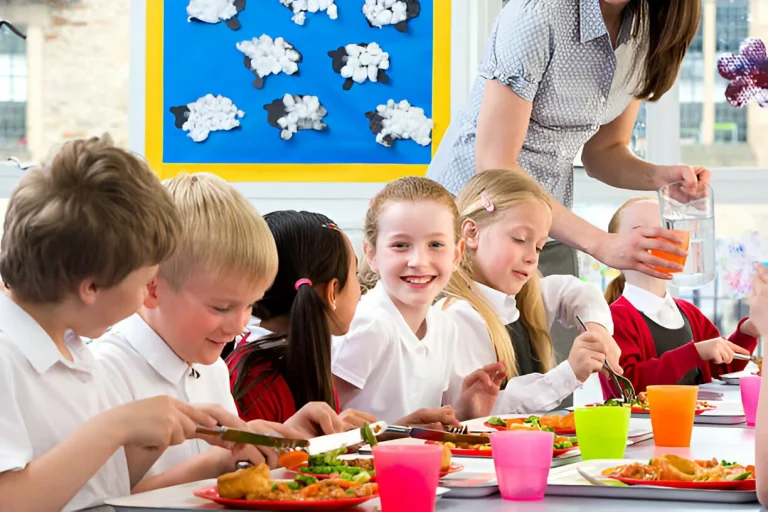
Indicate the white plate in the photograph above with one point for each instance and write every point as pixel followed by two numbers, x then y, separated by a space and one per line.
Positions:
pixel 469 484
pixel 733 378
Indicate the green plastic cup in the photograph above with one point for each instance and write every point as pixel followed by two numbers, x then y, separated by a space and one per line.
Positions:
pixel 602 432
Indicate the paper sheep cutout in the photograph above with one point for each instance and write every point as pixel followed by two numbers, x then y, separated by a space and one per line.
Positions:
pixel 265 56
pixel 401 120
pixel 208 114
pixel 747 73
pixel 360 62
pixel 292 113
pixel 300 8
pixel 380 13
pixel 214 11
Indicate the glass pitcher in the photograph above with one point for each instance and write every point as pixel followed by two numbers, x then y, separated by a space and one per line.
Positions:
pixel 691 208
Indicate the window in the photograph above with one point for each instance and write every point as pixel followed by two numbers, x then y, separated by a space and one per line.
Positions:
pixel 13 92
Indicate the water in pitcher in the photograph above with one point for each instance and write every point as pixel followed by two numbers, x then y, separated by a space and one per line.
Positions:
pixel 700 265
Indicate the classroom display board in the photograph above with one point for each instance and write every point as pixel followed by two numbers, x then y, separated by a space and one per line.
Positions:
pixel 296 90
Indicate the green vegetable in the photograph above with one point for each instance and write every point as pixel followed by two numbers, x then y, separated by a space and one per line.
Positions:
pixel 496 421
pixel 742 476
pixel 650 462
pixel 367 435
pixel 346 476
pixel 349 492
pixel 727 464
pixel 531 419
pixel 306 479
pixel 274 487
pixel 563 445
pixel 372 473
pixel 547 429
pixel 362 478
pixel 294 486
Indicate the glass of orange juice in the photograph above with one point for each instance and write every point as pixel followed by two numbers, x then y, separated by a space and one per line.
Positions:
pixel 685 236
pixel 673 409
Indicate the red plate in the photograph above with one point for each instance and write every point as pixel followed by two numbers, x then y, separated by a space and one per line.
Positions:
pixel 727 485
pixel 455 468
pixel 559 431
pixel 458 452
pixel 640 410
pixel 211 492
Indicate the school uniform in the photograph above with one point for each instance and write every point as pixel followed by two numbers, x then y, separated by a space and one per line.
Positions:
pixel 396 372
pixel 44 398
pixel 564 298
pixel 657 337
pixel 144 366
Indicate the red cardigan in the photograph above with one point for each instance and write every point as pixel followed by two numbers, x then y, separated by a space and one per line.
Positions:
pixel 641 363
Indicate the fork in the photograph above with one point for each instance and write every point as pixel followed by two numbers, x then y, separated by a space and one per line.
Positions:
pixel 623 384
pixel 458 430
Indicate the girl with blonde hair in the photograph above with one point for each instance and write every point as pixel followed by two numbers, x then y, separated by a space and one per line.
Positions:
pixel 504 310
pixel 398 355
pixel 665 340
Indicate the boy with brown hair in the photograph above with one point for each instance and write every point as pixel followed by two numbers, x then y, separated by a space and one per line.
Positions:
pixel 83 236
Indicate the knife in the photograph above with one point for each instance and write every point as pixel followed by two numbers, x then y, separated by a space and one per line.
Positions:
pixel 244 437
pixel 437 435
pixel 347 439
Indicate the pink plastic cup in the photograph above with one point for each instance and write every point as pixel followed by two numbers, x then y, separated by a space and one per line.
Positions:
pixel 750 394
pixel 407 476
pixel 522 460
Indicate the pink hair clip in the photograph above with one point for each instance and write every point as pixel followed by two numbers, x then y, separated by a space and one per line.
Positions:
pixel 332 226
pixel 301 282
pixel 487 203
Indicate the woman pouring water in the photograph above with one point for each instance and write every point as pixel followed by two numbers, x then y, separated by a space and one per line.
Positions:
pixel 561 74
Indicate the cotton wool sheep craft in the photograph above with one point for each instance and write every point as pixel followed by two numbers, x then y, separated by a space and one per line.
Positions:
pixel 292 113
pixel 401 120
pixel 215 11
pixel 360 62
pixel 265 56
pixel 380 13
pixel 208 114
pixel 300 8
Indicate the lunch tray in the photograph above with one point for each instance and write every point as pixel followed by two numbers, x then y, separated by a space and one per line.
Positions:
pixel 566 481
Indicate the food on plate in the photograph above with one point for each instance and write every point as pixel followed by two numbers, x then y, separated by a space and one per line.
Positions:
pixel 674 468
pixel 552 422
pixel 253 483
pixel 445 464
pixel 359 470
pixel 640 404
pixel 759 363
pixel 560 443
pixel 293 459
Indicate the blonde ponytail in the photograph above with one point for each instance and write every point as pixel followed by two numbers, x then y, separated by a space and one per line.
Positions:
pixel 530 303
pixel 366 276
pixel 614 289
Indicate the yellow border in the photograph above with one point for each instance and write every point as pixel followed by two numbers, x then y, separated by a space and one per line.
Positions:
pixel 154 112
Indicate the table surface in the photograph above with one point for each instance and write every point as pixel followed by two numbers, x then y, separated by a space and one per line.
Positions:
pixel 735 443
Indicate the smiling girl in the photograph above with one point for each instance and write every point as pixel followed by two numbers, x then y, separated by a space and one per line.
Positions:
pixel 399 353
pixel 504 310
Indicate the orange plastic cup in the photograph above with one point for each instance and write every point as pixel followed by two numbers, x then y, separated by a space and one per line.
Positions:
pixel 673 409
pixel 674 258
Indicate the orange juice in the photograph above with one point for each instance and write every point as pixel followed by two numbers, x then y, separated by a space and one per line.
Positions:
pixel 673 409
pixel 686 237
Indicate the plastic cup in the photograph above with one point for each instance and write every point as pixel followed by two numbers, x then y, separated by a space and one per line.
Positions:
pixel 673 409
pixel 674 258
pixel 602 432
pixel 407 476
pixel 750 395
pixel 522 460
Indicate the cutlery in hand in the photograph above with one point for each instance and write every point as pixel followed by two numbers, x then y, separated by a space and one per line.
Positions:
pixel 245 437
pixel 429 434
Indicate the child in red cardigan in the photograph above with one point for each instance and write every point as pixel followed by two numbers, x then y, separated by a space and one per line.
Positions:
pixel 665 340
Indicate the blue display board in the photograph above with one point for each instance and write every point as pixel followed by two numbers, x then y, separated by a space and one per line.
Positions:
pixel 200 58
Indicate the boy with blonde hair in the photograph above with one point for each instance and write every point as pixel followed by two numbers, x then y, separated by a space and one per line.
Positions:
pixel 200 301
pixel 74 260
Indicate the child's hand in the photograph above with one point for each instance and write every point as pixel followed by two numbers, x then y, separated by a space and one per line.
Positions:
pixel 356 419
pixel 758 301
pixel 159 422
pixel 719 350
pixel 587 355
pixel 612 350
pixel 435 418
pixel 480 389
pixel 316 419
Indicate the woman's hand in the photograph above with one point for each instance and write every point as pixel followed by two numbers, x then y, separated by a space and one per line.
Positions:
pixel 690 175
pixel 630 250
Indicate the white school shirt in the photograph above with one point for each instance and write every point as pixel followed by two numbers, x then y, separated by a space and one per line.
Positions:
pixel 144 366
pixel 564 298
pixel 396 372
pixel 44 398
pixel 663 311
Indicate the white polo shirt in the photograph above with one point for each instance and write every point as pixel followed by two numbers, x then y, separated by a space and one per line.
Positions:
pixel 144 366
pixel 44 398
pixel 396 372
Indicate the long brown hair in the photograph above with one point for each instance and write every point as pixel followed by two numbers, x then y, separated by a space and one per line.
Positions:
pixel 411 188
pixel 664 30
pixel 308 247
pixel 616 287
pixel 505 189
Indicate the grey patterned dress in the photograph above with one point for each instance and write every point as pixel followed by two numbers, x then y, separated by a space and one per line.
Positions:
pixel 558 55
